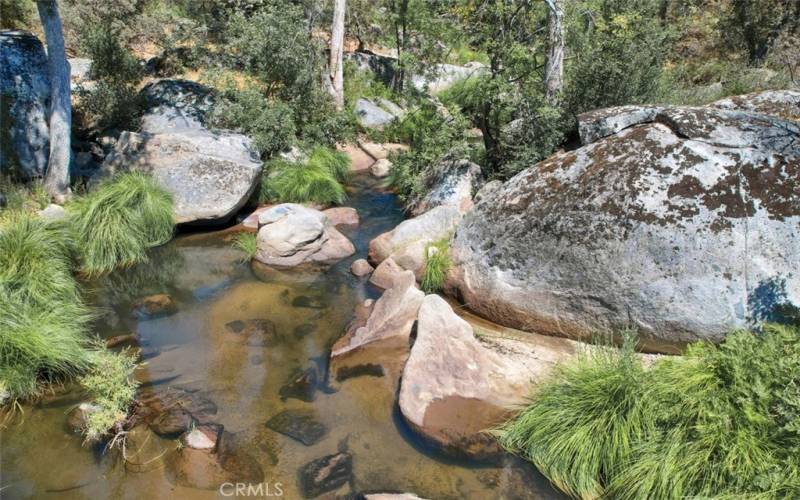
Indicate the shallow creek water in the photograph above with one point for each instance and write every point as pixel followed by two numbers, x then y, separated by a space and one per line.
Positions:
pixel 187 350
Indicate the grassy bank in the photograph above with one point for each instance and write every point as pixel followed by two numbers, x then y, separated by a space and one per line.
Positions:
pixel 319 179
pixel 720 422
pixel 44 320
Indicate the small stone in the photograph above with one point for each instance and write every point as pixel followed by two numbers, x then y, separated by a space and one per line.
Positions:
pixel 386 274
pixel 116 341
pixel 325 474
pixel 361 268
pixel 257 332
pixel 381 168
pixel 172 422
pixel 154 306
pixel 77 418
pixel 53 213
pixel 301 425
pixel 204 437
pixel 308 302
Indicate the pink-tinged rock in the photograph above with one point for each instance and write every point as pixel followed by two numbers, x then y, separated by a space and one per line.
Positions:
pixel 383 340
pixel 342 216
pixel 204 437
pixel 251 221
pixel 382 151
pixel 386 274
pixel 455 387
pixel 361 268
pixel 292 235
pixel 381 168
pixel 360 160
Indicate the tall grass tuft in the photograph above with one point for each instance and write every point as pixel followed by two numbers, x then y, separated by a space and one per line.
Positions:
pixel 722 421
pixel 319 180
pixel 112 386
pixel 247 243
pixel 437 263
pixel 120 220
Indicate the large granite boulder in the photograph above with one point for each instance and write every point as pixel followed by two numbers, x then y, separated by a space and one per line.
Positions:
pixel 175 105
pixel 384 68
pixel 452 182
pixel 24 99
pixel 384 339
pixel 291 235
pixel 406 244
pixel 376 113
pixel 210 175
pixel 781 103
pixel 684 227
pixel 441 77
pixel 455 387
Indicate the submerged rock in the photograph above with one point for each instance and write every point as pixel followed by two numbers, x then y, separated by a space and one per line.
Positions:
pixel 325 474
pixel 342 216
pixel 302 385
pixel 154 306
pixel 381 168
pixel 210 175
pixel 144 451
pixel 256 332
pixel 78 417
pixel 25 91
pixel 172 422
pixel 454 387
pixel 301 425
pixel 204 467
pixel 386 274
pixel 385 337
pixel 684 228
pixel 292 235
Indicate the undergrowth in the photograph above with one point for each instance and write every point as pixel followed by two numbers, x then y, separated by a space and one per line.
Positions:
pixel 118 222
pixel 437 263
pixel 246 242
pixel 720 422
pixel 112 386
pixel 318 180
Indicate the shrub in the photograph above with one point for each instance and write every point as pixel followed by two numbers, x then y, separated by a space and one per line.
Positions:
pixel 112 388
pixel 17 14
pixel 119 221
pixel 437 263
pixel 721 421
pixel 247 243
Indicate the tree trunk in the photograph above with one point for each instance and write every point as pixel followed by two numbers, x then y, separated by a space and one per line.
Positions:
pixel 337 53
pixel 57 177
pixel 554 66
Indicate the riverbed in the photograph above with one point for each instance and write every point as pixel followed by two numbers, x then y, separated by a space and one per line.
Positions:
pixel 189 351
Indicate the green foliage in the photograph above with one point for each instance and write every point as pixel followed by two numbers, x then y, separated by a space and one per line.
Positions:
pixel 753 25
pixel 246 242
pixel 30 196
pixel 17 14
pixel 114 100
pixel 117 223
pixel 301 183
pixel 112 388
pixel 359 83
pixel 331 160
pixel 43 319
pixel 721 421
pixel 437 263
pixel 617 52
pixel 432 135
pixel 268 123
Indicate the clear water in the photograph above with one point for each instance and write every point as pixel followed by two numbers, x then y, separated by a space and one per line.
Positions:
pixel 40 458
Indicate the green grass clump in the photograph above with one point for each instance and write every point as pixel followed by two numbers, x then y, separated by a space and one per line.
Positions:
pixel 437 263
pixel 721 421
pixel 30 196
pixel 319 180
pixel 246 242
pixel 43 319
pixel 117 223
pixel 112 387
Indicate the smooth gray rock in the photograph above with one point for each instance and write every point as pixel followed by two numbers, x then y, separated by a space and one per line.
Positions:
pixel 210 175
pixel 371 114
pixel 443 76
pixel 780 103
pixel 452 182
pixel 600 123
pixel 24 97
pixel 291 235
pixel 684 228
pixel 383 67
pixel 175 105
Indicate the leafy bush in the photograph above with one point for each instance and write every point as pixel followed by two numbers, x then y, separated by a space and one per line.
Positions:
pixel 437 263
pixel 119 221
pixel 110 383
pixel 268 123
pixel 17 14
pixel 247 243
pixel 114 100
pixel 721 421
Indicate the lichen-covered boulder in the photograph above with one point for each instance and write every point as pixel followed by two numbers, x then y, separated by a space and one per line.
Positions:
pixel 781 103
pixel 685 228
pixel 452 182
pixel 24 97
pixel 175 105
pixel 292 235
pixel 376 113
pixel 210 175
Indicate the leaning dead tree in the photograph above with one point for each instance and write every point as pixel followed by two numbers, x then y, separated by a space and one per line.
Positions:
pixel 337 52
pixel 554 65
pixel 57 177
